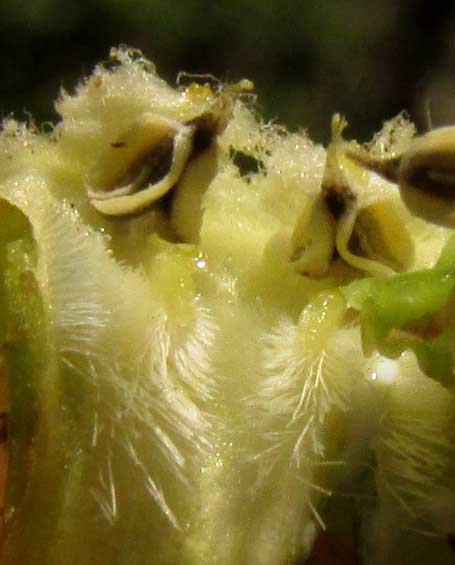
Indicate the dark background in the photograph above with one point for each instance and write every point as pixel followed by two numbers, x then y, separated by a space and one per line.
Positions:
pixel 369 59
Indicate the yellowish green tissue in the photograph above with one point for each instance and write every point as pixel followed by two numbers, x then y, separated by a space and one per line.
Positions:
pixel 218 336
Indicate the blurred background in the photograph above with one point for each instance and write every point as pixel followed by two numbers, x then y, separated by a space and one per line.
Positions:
pixel 368 59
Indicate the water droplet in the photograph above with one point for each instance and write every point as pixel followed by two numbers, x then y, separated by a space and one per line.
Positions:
pixel 384 371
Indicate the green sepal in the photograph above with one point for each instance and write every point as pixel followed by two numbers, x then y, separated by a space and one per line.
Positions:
pixel 410 311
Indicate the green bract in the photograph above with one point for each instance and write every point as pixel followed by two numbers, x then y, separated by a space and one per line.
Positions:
pixel 250 342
